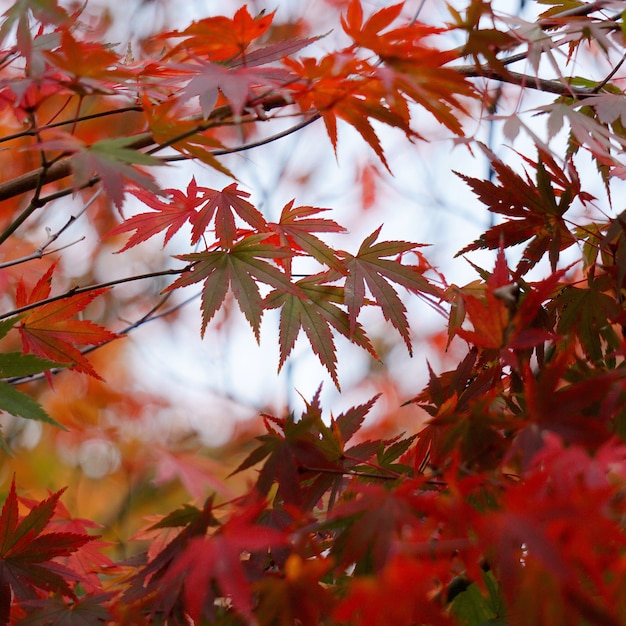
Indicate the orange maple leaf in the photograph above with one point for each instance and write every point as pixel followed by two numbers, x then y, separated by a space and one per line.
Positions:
pixel 49 330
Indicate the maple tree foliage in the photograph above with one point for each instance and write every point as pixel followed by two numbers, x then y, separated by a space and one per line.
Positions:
pixel 498 501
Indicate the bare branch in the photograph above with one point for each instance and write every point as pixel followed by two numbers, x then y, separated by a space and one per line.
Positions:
pixel 88 288
pixel 525 80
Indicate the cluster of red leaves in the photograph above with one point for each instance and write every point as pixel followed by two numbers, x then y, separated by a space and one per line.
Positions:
pixel 474 519
pixel 44 558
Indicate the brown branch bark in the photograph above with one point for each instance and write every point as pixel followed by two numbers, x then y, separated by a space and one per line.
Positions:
pixel 62 169
pixel 525 80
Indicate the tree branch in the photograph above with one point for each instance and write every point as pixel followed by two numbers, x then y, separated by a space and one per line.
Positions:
pixel 525 81
pixel 61 169
pixel 88 288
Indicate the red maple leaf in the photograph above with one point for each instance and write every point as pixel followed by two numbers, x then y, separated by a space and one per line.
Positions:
pixel 90 561
pixel 49 330
pixel 219 38
pixel 93 67
pixel 27 553
pixel 295 230
pixel 169 214
pixel 402 593
pixel 223 205
pixel 534 210
pixel 219 558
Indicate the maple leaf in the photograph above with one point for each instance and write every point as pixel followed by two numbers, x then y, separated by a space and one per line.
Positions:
pixel 237 269
pixel 371 268
pixel 223 205
pixel 483 42
pixel 403 593
pixel 185 136
pixel 224 64
pixel 503 313
pixel 538 215
pixel 580 412
pixel 45 11
pixel 109 160
pixel 238 85
pixel 219 558
pixel 50 332
pixel 91 561
pixel 314 309
pixel 589 313
pixel 329 88
pixel 489 609
pixel 28 553
pixel 307 458
pixel 297 598
pixel 410 68
pixel 537 209
pixel 147 582
pixel 368 34
pixel 16 364
pixel 373 516
pixel 198 206
pixel 220 38
pixel 558 6
pixel 291 451
pixel 85 611
pixel 171 214
pixel 92 66
pixel 531 537
pixel 294 230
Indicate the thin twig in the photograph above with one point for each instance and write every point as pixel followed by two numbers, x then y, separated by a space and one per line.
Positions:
pixel 150 316
pixel 417 13
pixel 89 288
pixel 600 86
pixel 254 144
pixel 525 80
pixel 41 251
pixel 30 132
pixel 38 254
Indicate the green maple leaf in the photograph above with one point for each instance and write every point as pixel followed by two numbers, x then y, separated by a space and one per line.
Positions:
pixel 240 269
pixel 112 161
pixel 371 269
pixel 314 309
